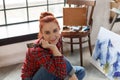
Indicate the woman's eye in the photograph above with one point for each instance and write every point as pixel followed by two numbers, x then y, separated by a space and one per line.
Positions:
pixel 55 30
pixel 47 32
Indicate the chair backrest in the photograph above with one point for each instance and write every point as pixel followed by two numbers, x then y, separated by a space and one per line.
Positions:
pixel 86 8
pixel 114 4
pixel 74 16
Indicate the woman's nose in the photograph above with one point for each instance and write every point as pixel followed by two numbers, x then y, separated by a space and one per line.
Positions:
pixel 52 36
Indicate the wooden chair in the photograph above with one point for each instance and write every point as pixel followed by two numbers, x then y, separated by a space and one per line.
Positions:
pixel 114 5
pixel 79 16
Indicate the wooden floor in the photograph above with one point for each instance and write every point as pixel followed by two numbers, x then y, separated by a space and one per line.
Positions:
pixel 13 72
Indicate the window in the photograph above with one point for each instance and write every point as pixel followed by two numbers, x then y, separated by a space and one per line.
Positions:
pixel 37 2
pixel 21 11
pixel 55 1
pixel 24 11
pixel 34 12
pixel 1 4
pixel 15 16
pixel 56 9
pixel 2 18
pixel 15 3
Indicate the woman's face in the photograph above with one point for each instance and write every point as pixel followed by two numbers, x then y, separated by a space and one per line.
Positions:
pixel 51 32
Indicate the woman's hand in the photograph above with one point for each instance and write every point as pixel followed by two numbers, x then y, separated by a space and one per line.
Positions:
pixel 46 44
pixel 73 77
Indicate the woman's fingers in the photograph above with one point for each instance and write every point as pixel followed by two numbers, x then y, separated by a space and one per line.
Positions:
pixel 44 43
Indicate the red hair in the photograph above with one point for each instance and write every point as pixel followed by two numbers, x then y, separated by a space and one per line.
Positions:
pixel 46 17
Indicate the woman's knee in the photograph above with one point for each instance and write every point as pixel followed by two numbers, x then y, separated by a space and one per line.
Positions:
pixel 80 72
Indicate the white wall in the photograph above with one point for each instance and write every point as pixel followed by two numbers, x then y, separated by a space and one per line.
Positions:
pixel 13 53
pixel 100 17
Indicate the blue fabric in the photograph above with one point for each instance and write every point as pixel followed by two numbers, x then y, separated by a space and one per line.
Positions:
pixel 68 65
pixel 80 72
pixel 43 74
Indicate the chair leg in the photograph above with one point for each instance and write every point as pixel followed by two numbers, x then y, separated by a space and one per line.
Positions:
pixel 71 41
pixel 89 43
pixel 81 55
pixel 113 21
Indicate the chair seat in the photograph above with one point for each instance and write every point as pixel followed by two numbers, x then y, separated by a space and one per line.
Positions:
pixel 75 34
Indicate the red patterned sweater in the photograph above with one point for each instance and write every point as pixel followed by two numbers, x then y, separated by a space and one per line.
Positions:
pixel 36 57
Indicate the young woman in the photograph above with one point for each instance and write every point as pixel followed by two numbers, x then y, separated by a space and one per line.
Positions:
pixel 45 62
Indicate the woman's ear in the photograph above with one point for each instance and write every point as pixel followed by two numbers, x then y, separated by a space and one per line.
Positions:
pixel 40 35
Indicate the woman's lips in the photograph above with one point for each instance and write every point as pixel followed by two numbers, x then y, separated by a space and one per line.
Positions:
pixel 53 40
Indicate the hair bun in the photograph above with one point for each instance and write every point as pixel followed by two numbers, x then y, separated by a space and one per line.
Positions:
pixel 44 14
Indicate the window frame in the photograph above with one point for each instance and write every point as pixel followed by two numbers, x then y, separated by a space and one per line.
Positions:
pixel 26 37
pixel 27 11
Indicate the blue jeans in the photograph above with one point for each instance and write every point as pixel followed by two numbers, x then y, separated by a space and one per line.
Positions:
pixel 43 74
pixel 80 72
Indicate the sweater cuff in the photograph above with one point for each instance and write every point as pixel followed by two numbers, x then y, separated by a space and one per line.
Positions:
pixel 58 58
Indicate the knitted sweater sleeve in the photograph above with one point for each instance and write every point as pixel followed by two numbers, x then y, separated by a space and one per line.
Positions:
pixel 28 68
